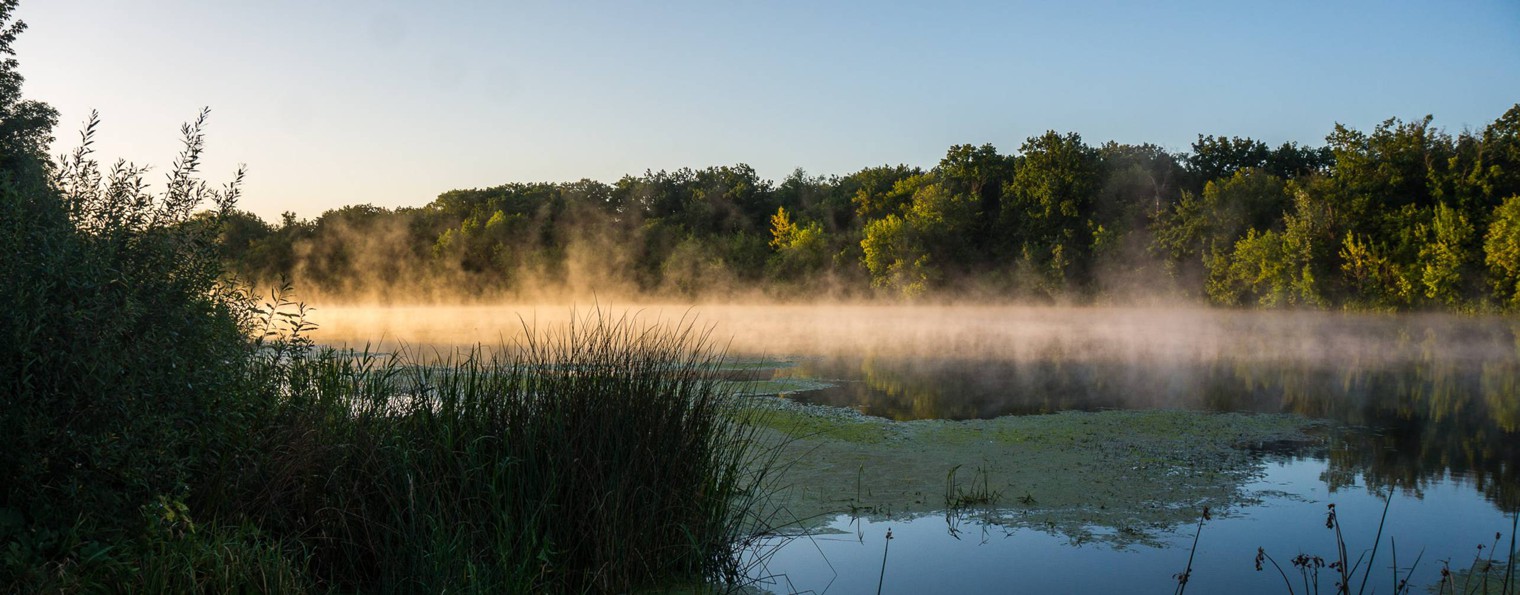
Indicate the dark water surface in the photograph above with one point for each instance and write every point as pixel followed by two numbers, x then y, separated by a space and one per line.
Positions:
pixel 925 556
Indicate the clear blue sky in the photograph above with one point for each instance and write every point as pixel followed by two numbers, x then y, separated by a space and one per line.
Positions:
pixel 389 103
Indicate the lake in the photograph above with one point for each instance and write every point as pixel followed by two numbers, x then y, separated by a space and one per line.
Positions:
pixel 1426 407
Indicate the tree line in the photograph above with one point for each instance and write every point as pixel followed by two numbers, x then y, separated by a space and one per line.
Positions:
pixel 1407 216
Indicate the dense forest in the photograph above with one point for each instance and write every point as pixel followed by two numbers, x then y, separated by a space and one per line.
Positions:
pixel 1407 216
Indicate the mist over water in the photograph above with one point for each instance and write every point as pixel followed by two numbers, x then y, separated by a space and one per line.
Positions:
pixel 975 333
pixel 1422 396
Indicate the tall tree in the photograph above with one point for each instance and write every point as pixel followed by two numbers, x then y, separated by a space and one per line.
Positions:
pixel 26 126
pixel 1215 157
pixel 1048 202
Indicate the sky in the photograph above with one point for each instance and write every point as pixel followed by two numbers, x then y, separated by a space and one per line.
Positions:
pixel 390 103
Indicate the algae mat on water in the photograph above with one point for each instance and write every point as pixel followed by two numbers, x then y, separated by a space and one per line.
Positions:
pixel 1116 476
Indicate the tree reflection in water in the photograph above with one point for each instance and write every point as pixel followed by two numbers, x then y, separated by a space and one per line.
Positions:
pixel 1417 399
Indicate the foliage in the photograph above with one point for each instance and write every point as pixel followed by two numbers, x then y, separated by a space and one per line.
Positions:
pixel 1501 249
pixel 1050 196
pixel 798 249
pixel 1200 229
pixel 905 254
pixel 1395 218
pixel 1446 255
pixel 122 348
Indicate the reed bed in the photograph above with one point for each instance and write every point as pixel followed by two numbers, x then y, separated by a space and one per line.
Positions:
pixel 601 456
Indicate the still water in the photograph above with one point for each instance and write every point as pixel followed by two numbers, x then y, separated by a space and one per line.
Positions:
pixel 934 554
pixel 1424 407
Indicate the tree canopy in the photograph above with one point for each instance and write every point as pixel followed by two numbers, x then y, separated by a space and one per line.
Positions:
pixel 1406 216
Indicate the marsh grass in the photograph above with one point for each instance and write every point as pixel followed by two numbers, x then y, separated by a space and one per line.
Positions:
pixel 977 492
pixel 1489 572
pixel 604 455
pixel 1486 574
pixel 1341 565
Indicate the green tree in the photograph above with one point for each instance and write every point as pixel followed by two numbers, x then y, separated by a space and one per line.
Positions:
pixel 1445 257
pixel 817 199
pixel 1215 157
pixel 800 250
pixel 978 173
pixel 1138 183
pixel 1501 251
pixel 1201 227
pixel 1046 211
pixel 1265 268
pixel 882 191
pixel 1290 160
pixel 1372 277
pixel 913 253
pixel 122 352
pixel 26 126
pixel 1500 161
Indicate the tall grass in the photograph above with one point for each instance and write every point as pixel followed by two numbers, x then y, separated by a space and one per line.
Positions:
pixel 604 455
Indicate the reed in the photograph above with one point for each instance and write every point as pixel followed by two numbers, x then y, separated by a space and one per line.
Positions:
pixel 605 455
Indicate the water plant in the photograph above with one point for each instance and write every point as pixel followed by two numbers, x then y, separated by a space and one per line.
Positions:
pixel 1509 566
pixel 958 497
pixel 600 456
pixel 1187 572
pixel 1478 576
pixel 1308 566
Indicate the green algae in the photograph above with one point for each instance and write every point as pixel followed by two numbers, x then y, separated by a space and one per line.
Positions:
pixel 1115 476
pixel 779 386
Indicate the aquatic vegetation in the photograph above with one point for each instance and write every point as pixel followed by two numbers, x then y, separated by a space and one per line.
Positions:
pixel 958 497
pixel 1070 472
pixel 599 456
pixel 1486 573
pixel 1309 566
pixel 1187 572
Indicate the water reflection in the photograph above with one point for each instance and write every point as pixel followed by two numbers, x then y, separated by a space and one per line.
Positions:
pixel 1421 401
pixel 925 557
